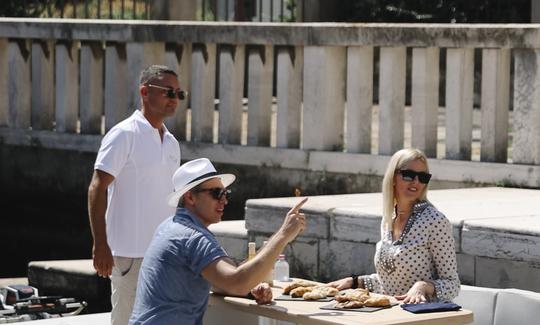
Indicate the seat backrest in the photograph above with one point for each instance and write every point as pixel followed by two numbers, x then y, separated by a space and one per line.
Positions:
pixel 517 307
pixel 481 301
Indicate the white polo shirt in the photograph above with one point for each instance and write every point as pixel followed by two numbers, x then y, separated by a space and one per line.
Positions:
pixel 143 166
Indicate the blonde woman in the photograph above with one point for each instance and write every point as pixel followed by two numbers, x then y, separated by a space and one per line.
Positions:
pixel 415 259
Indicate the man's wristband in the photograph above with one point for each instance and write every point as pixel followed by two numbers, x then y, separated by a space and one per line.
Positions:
pixel 354 281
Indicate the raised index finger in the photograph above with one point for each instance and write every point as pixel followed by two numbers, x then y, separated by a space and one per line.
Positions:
pixel 298 206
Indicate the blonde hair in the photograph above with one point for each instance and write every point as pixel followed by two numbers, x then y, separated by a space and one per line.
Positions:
pixel 398 160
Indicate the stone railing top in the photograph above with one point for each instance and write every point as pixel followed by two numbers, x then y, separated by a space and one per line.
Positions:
pixel 303 34
pixel 459 205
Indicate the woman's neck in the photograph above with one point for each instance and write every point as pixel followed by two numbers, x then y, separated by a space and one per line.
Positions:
pixel 404 209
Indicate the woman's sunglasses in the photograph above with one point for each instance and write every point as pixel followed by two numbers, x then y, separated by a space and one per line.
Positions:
pixel 409 175
pixel 216 192
pixel 171 93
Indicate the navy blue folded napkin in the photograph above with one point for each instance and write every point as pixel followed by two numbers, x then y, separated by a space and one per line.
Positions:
pixel 430 307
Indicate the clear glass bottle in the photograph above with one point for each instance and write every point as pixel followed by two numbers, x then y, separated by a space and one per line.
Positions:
pixel 281 269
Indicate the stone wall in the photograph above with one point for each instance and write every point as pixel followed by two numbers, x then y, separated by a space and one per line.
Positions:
pixel 496 231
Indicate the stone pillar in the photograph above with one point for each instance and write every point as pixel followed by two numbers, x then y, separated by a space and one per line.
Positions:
pixel 67 87
pixel 139 57
pixel 116 84
pixel 42 101
pixel 495 104
pixel 19 84
pixel 203 85
pixel 526 140
pixel 178 58
pixel 359 98
pixel 261 62
pixel 324 98
pixel 173 10
pixel 91 91
pixel 459 102
pixel 290 64
pixel 231 91
pixel 425 99
pixel 391 99
pixel 4 82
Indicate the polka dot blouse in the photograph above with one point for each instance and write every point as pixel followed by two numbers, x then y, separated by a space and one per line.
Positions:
pixel 424 252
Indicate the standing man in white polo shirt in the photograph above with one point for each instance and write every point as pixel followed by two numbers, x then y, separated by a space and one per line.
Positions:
pixel 132 177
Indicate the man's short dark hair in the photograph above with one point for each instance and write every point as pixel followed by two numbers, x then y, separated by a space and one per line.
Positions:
pixel 154 71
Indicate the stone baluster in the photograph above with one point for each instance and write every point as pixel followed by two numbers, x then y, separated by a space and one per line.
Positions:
pixel 391 99
pixel 359 98
pixel 526 140
pixel 4 82
pixel 42 99
pixel 67 86
pixel 231 91
pixel 116 84
pixel 425 99
pixel 459 102
pixel 178 58
pixel 324 98
pixel 91 91
pixel 261 62
pixel 203 85
pixel 19 84
pixel 290 63
pixel 139 57
pixel 495 104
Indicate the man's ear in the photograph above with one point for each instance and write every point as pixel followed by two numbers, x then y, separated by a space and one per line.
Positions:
pixel 189 199
pixel 143 90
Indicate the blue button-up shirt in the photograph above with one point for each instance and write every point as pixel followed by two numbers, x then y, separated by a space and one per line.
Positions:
pixel 171 289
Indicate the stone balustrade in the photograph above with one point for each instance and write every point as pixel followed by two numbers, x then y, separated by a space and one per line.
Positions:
pixel 309 88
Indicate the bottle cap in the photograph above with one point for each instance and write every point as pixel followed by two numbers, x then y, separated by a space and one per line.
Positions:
pixel 281 256
pixel 251 246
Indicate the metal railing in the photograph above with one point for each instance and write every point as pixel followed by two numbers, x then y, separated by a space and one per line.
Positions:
pixel 89 9
pixel 208 10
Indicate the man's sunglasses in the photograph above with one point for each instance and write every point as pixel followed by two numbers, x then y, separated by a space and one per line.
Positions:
pixel 409 175
pixel 216 192
pixel 171 93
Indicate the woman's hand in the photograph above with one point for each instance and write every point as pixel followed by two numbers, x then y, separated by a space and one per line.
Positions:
pixel 344 283
pixel 418 293
pixel 262 293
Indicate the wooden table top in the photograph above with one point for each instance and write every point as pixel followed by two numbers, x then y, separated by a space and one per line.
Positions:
pixel 308 312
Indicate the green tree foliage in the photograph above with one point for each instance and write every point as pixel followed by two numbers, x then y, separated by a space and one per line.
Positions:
pixel 29 8
pixel 434 11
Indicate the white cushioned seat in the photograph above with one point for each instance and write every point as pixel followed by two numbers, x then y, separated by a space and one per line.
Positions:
pixel 517 307
pixel 481 301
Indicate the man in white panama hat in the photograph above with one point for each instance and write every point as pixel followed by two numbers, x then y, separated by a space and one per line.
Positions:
pixel 184 260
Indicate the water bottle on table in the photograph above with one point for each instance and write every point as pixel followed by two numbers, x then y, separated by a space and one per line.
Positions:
pixel 281 269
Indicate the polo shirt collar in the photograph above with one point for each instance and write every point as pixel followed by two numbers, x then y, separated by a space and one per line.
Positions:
pixel 186 214
pixel 143 122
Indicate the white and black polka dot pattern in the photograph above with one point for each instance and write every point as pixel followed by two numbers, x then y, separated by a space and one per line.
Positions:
pixel 424 252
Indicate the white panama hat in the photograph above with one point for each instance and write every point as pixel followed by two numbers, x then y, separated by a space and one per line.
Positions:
pixel 193 173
